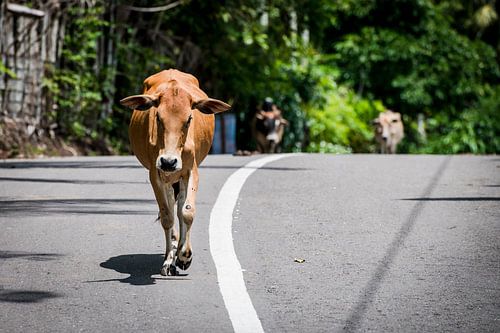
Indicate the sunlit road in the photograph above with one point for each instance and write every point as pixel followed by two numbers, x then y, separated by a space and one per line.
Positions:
pixel 327 243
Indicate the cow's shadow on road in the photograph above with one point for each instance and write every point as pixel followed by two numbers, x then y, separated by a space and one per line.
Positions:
pixel 143 269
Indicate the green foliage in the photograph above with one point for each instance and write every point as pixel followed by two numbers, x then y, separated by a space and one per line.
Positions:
pixel 438 58
pixel 475 130
pixel 74 85
pixel 429 69
pixel 134 63
pixel 417 74
pixel 7 71
pixel 337 117
pixel 292 85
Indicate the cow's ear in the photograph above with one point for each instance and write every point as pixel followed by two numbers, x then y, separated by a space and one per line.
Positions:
pixel 375 121
pixel 141 102
pixel 210 106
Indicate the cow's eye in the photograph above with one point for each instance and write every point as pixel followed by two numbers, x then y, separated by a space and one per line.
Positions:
pixel 394 120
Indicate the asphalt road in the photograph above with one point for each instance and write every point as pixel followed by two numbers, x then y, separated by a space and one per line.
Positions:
pixel 389 243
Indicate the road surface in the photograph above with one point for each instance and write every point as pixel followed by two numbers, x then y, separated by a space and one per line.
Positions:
pixel 327 243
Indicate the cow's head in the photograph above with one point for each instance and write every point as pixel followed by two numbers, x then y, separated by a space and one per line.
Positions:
pixel 171 112
pixel 271 124
pixel 388 126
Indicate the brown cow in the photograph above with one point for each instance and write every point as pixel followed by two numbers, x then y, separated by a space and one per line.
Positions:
pixel 267 129
pixel 171 132
pixel 389 131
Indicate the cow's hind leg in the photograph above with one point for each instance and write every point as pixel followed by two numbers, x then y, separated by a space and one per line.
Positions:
pixel 166 201
pixel 185 213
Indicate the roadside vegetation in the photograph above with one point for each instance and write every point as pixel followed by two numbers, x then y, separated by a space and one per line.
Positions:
pixel 331 66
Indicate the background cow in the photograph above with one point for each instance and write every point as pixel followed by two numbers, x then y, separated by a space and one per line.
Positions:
pixel 268 127
pixel 171 132
pixel 389 131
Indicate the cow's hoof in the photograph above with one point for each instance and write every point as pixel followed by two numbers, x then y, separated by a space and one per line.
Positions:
pixel 169 271
pixel 183 264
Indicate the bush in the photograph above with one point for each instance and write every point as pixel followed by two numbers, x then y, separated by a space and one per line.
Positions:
pixel 338 120
pixel 475 130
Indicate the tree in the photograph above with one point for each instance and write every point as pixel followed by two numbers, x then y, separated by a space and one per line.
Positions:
pixel 420 66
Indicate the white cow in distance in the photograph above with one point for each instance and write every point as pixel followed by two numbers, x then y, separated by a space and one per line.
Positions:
pixel 389 131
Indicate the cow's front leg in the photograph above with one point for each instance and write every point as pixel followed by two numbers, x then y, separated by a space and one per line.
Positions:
pixel 392 148
pixel 165 197
pixel 185 212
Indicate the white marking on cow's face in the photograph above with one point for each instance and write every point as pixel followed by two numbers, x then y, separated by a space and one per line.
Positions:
pixel 174 118
pixel 273 128
pixel 385 132
pixel 272 137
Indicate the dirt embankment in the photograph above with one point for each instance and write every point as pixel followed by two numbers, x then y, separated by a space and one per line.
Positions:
pixel 20 139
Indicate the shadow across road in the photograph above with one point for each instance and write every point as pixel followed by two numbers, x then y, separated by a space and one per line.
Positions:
pixel 31 256
pixel 66 181
pixel 454 199
pixel 26 296
pixel 69 164
pixel 104 206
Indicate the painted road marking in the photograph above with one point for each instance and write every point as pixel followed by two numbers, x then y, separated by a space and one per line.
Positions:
pixel 229 273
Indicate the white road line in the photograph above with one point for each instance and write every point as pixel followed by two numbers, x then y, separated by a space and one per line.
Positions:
pixel 229 274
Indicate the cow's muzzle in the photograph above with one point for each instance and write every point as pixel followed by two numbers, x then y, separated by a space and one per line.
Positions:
pixel 273 137
pixel 168 163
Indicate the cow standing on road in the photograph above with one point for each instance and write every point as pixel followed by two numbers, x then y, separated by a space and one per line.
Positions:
pixel 171 132
pixel 389 131
pixel 268 126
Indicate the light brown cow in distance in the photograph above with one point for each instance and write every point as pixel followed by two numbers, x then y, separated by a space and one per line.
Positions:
pixel 389 131
pixel 171 132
